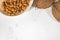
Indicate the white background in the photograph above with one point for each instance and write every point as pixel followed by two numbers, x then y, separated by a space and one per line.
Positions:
pixel 36 24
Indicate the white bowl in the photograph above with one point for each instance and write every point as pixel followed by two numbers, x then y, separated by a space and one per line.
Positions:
pixel 30 4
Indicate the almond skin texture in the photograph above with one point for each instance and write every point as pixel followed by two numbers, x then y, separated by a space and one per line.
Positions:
pixel 56 10
pixel 43 3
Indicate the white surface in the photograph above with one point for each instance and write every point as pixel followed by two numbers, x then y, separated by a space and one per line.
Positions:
pixel 35 24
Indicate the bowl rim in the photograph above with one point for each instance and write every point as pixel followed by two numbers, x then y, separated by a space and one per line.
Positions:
pixel 29 6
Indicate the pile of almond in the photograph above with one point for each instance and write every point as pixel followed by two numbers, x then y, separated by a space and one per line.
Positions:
pixel 14 7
